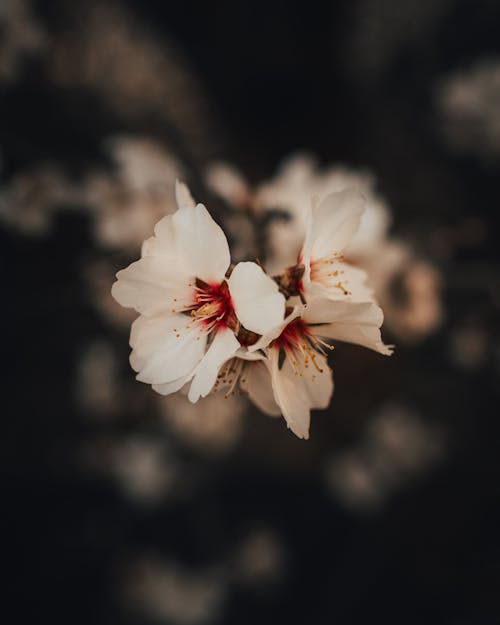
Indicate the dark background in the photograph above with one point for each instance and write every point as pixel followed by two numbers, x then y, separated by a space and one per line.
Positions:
pixel 355 82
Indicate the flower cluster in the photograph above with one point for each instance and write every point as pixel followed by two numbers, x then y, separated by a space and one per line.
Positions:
pixel 406 286
pixel 209 326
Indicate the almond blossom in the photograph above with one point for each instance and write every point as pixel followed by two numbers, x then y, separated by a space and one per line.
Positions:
pixel 212 326
pixel 336 305
pixel 195 311
pixel 296 354
pixel 331 225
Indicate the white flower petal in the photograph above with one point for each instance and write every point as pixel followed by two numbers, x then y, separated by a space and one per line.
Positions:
pixel 297 394
pixel 367 336
pixel 191 239
pixel 319 384
pixel 342 283
pixel 151 284
pixel 290 398
pixel 165 348
pixel 171 387
pixel 373 229
pixel 357 323
pixel 223 347
pixel 183 195
pixel 201 244
pixel 332 223
pixel 256 298
pixel 256 381
pixel 165 240
pixel 322 310
pixel 148 247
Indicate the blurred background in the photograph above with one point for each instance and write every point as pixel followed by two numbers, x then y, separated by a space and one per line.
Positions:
pixel 122 506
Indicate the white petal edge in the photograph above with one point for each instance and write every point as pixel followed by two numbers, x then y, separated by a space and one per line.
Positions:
pixel 295 411
pixel 191 239
pixel 224 346
pixel 151 284
pixel 357 323
pixel 171 387
pixel 296 395
pixel 183 195
pixel 256 382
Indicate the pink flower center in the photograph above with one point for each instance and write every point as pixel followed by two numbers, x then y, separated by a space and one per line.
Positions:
pixel 295 333
pixel 213 305
pixel 301 346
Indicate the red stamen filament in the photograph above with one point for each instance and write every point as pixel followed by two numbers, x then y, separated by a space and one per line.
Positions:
pixel 212 306
pixel 301 346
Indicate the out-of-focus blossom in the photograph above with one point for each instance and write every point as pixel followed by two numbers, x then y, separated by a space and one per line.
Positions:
pixel 168 593
pixel 413 306
pixel 229 183
pixel 143 468
pixel 125 204
pixel 98 275
pixel 397 447
pixel 97 385
pixel 29 202
pixel 106 48
pixel 128 204
pixel 21 36
pixel 260 559
pixel 241 233
pixel 469 106
pixel 469 345
pixel 183 270
pixel 215 425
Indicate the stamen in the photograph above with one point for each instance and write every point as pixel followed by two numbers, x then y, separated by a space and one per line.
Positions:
pixel 323 272
pixel 212 306
pixel 236 367
pixel 301 347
